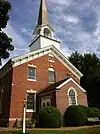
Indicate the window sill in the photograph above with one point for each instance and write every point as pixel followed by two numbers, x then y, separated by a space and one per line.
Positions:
pixel 51 83
pixel 51 60
pixel 31 79
pixel 30 110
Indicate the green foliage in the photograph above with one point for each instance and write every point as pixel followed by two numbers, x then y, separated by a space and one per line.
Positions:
pixel 89 65
pixel 5 41
pixel 21 132
pixel 5 7
pixel 49 117
pixel 29 123
pixel 85 63
pixel 75 116
pixel 87 110
pixel 91 112
pixel 95 112
pixel 76 59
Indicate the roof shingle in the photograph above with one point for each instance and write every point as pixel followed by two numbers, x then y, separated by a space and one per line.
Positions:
pixel 52 86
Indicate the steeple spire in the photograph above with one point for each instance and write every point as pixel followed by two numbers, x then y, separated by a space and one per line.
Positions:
pixel 43 13
pixel 43 32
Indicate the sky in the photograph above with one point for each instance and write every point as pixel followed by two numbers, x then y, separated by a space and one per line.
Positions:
pixel 76 24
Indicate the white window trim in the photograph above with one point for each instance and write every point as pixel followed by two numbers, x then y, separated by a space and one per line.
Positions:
pixel 51 60
pixel 32 80
pixel 51 55
pixel 34 92
pixel 31 91
pixel 35 73
pixel 51 69
pixel 30 110
pixel 45 100
pixel 71 88
pixel 31 65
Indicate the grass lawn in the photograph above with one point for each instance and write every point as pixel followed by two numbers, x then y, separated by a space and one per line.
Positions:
pixel 95 130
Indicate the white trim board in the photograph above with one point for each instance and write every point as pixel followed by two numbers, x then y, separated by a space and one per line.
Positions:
pixel 70 79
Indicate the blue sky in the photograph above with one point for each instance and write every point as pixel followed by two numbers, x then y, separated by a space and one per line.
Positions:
pixel 76 24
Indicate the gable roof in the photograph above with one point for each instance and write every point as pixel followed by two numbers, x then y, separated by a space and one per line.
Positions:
pixel 58 85
pixel 68 80
pixel 52 86
pixel 44 51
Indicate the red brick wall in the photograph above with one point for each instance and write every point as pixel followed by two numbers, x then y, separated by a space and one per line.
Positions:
pixel 6 82
pixel 62 100
pixel 21 84
pixel 16 84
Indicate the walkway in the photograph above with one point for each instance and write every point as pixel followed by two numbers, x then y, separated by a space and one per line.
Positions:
pixel 62 128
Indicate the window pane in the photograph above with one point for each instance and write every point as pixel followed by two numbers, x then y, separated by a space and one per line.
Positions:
pixel 30 105
pixel 51 76
pixel 30 101
pixel 31 73
pixel 48 104
pixel 43 104
pixel 72 97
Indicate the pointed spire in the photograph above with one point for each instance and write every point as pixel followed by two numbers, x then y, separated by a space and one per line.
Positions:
pixel 43 13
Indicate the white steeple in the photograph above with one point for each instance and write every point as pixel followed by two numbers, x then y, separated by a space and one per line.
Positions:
pixel 43 33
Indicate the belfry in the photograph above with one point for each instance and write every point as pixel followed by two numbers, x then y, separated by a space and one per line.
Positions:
pixel 43 33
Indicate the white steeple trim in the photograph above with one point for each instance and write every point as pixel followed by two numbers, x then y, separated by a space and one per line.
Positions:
pixel 44 51
pixel 42 41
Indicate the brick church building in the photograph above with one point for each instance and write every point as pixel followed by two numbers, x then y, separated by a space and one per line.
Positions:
pixel 43 77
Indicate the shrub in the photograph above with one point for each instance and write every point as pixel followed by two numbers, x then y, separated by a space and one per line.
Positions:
pixel 87 110
pixel 49 117
pixel 95 112
pixel 75 116
pixel 91 112
pixel 18 123
pixel 30 123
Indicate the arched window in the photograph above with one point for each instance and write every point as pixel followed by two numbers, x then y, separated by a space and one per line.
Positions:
pixel 51 75
pixel 47 32
pixel 72 97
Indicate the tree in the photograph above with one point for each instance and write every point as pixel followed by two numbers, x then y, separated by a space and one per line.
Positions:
pixel 76 59
pixel 5 41
pixel 85 63
pixel 89 65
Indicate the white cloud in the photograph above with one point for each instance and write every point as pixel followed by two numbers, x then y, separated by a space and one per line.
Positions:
pixel 26 31
pixel 60 2
pixel 67 25
pixel 65 51
pixel 71 19
pixel 18 40
pixel 97 32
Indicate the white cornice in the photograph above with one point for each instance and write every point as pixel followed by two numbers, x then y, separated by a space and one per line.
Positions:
pixel 44 51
